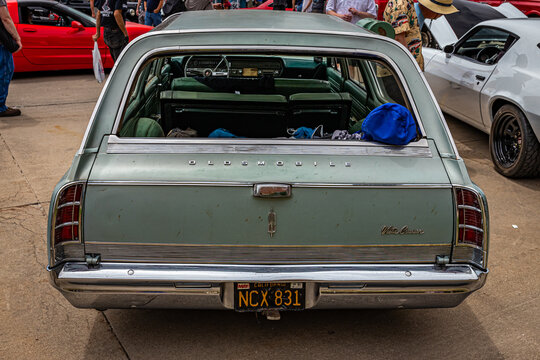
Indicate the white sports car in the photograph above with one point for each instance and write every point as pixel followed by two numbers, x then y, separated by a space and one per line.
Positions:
pixel 490 79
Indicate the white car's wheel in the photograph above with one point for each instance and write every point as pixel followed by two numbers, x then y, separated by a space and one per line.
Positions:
pixel 515 150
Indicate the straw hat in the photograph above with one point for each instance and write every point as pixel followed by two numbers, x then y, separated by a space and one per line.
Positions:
pixel 439 6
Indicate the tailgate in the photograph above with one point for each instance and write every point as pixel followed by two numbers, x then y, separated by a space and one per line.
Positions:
pixel 202 208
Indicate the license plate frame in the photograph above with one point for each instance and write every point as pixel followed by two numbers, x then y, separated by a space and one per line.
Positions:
pixel 283 296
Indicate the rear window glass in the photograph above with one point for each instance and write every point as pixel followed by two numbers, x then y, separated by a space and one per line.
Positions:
pixel 246 96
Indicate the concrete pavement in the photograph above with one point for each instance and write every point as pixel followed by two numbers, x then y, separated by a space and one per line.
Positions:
pixel 499 321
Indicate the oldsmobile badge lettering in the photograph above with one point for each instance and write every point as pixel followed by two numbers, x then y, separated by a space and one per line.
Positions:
pixel 392 230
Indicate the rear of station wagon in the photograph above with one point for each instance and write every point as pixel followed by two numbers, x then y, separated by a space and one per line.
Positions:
pixel 212 176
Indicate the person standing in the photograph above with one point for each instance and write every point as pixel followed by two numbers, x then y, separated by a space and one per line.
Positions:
pixel 195 5
pixel 403 17
pixel 152 15
pixel 352 10
pixel 140 12
pixel 110 14
pixel 6 61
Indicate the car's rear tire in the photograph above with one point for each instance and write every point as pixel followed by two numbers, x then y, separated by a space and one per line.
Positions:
pixel 514 148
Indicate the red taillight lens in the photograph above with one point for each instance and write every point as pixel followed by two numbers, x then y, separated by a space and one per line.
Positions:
pixel 470 218
pixel 66 226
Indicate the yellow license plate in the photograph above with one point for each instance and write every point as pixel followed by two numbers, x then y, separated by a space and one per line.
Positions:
pixel 269 296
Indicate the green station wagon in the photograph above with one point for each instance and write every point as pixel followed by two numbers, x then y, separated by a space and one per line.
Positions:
pixel 226 166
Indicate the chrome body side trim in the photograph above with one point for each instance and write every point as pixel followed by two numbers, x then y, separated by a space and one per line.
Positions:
pixel 249 184
pixel 267 254
pixel 117 285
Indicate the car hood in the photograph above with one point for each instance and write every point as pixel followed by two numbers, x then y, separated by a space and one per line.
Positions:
pixel 449 28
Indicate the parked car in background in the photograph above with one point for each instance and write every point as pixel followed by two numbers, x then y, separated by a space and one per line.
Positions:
pixel 218 171
pixel 84 6
pixel 490 79
pixel 450 28
pixel 381 5
pixel 269 5
pixel 530 8
pixel 57 37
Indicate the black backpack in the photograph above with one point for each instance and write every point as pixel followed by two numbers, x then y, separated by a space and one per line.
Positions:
pixel 173 6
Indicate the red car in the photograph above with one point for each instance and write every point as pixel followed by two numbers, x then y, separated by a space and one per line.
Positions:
pixel 381 5
pixel 530 8
pixel 56 37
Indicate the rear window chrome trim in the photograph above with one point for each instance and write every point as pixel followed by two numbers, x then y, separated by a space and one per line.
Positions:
pixel 118 145
pixel 255 48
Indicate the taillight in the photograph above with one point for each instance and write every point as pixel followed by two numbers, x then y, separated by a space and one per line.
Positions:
pixel 470 218
pixel 68 207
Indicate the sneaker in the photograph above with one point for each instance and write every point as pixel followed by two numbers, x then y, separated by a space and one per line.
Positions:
pixel 10 112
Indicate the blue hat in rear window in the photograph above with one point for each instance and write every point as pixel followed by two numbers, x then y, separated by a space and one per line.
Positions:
pixel 390 124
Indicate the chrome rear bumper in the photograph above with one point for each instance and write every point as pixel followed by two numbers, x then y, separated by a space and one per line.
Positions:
pixel 191 286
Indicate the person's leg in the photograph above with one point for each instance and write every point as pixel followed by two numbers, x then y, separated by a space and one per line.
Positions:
pixel 6 72
pixel 115 52
pixel 116 41
pixel 141 14
pixel 148 18
pixel 156 19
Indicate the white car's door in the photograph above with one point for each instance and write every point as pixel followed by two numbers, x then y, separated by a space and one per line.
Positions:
pixel 457 82
pixel 458 77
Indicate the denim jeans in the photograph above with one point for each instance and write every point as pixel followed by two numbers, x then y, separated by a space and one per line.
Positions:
pixel 6 73
pixel 152 19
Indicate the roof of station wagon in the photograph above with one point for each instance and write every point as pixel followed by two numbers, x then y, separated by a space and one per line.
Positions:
pixel 258 19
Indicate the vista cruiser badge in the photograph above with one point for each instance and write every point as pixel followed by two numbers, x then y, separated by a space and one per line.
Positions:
pixel 392 230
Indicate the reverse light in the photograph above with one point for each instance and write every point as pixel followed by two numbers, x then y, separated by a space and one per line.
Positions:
pixel 67 217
